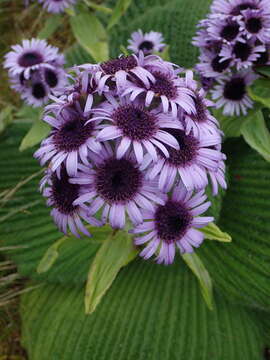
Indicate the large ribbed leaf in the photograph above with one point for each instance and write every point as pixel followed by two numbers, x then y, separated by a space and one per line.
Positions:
pixel 150 313
pixel 176 19
pixel 25 220
pixel 241 269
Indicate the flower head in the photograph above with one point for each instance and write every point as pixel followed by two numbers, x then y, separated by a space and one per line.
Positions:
pixel 148 43
pixel 231 93
pixel 61 194
pixel 57 6
pixel 116 186
pixel 173 225
pixel 31 55
pixel 236 7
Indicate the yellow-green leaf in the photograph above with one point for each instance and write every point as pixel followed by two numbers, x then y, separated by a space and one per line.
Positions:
pixel 213 232
pixel 197 267
pixel 116 251
pixel 257 135
pixel 50 256
pixel 91 35
pixel 35 135
pixel 118 11
pixel 50 26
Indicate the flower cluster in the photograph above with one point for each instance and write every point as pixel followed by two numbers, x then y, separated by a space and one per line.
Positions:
pixel 35 70
pixel 148 43
pixel 57 6
pixel 234 40
pixel 133 141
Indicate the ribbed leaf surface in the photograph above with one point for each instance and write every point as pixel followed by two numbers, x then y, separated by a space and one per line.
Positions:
pixel 150 312
pixel 242 268
pixel 176 19
pixel 25 220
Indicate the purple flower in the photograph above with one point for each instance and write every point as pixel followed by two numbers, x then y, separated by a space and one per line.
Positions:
pixel 61 194
pixel 236 7
pixel 212 65
pixel 57 6
pixel 135 126
pixel 191 164
pixel 72 139
pixel 224 28
pixel 118 70
pixel 116 186
pixel 256 25
pixel 173 225
pixel 148 43
pixel 35 91
pixel 231 93
pixel 202 120
pixel 168 87
pixel 31 55
pixel 241 54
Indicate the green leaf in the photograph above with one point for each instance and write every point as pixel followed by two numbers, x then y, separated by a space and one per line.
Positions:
pixel 97 7
pixel 50 26
pixel 264 70
pixel 163 16
pixel 117 251
pixel 35 135
pixel 232 125
pixel 260 91
pixel 150 312
pixel 257 135
pixel 6 117
pixel 196 266
pixel 76 55
pixel 213 232
pixel 118 11
pixel 91 35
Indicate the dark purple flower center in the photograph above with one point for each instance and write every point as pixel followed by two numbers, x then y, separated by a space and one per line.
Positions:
pixel 38 90
pixel 188 148
pixel 254 25
pixel 218 65
pixel 30 58
pixel 206 82
pixel 230 31
pixel 235 89
pixel 263 58
pixel 72 134
pixel 245 6
pixel 146 46
pixel 163 86
pixel 51 78
pixel 64 193
pixel 201 110
pixel 118 181
pixel 242 51
pixel 172 221
pixel 125 63
pixel 135 123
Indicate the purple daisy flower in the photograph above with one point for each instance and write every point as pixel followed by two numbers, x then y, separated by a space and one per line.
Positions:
pixel 202 120
pixel 148 43
pixel 123 67
pixel 212 65
pixel 264 58
pixel 135 126
pixel 224 28
pixel 167 87
pixel 72 138
pixel 173 225
pixel 57 6
pixel 256 25
pixel 244 54
pixel 116 186
pixel 31 55
pixel 231 93
pixel 190 164
pixel 236 7
pixel 61 194
pixel 36 90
